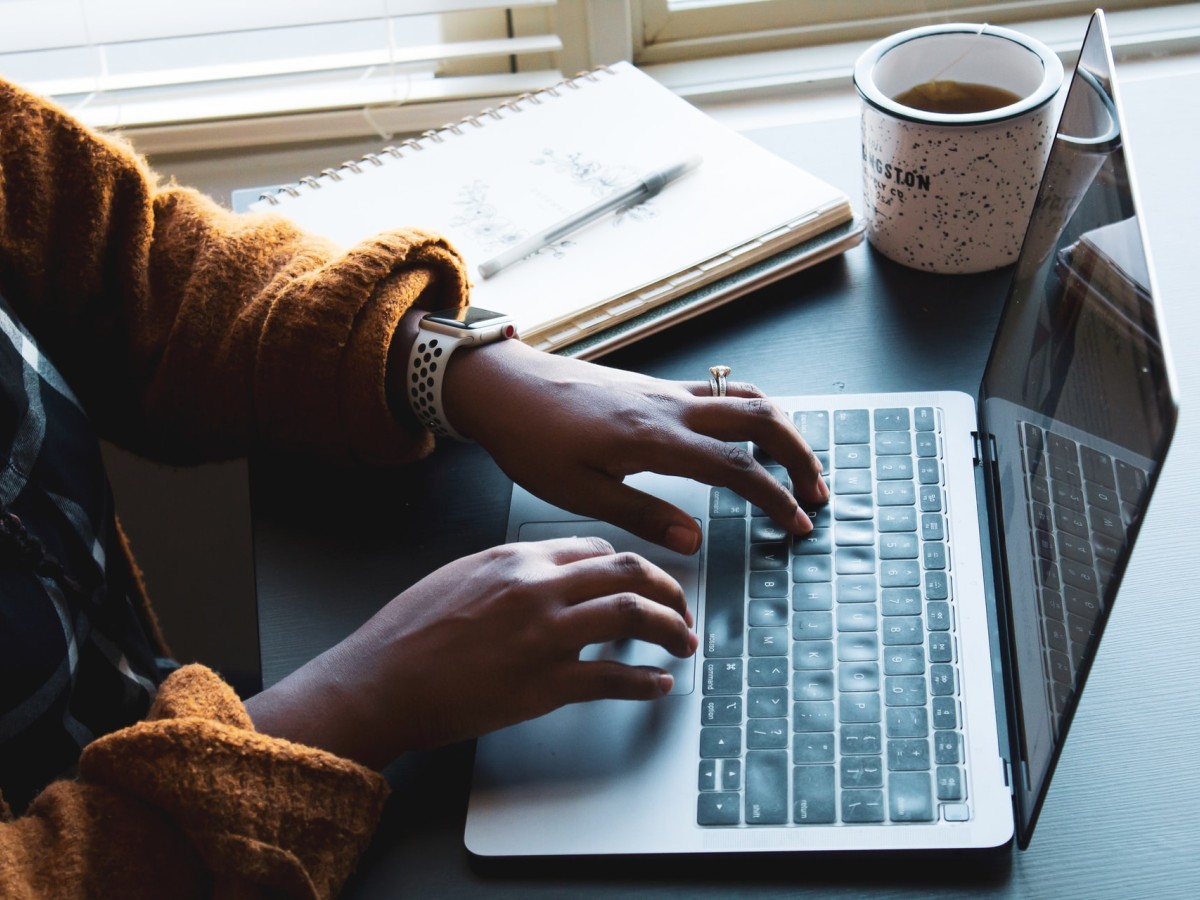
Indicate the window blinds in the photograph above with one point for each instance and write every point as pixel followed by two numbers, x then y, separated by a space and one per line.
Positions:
pixel 143 63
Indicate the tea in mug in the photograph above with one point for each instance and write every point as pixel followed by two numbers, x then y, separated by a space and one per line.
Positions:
pixel 955 97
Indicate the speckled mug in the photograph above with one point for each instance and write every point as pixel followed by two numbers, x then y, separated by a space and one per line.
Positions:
pixel 952 192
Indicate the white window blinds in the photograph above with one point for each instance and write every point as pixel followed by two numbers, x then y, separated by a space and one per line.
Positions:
pixel 145 63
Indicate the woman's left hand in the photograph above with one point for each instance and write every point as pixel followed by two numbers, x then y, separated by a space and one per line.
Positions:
pixel 570 432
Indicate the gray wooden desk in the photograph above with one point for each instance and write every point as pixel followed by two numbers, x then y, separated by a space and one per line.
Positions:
pixel 1120 821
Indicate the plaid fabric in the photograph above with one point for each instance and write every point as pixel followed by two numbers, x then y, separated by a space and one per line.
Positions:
pixel 75 662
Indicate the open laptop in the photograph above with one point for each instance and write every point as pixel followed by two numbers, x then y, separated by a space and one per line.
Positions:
pixel 905 676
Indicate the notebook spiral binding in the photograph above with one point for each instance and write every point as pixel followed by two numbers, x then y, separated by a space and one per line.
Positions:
pixel 433 136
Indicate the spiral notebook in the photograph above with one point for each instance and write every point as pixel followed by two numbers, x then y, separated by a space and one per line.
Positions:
pixel 743 218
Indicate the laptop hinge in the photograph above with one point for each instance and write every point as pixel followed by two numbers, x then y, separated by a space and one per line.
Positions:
pixel 1008 776
pixel 980 448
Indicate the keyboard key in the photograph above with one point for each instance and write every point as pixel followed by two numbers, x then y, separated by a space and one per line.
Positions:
pixel 907 722
pixel 807 569
pixel 924 418
pixel 856 617
pixel 767 734
pixel 950 783
pixel 813 685
pixel 767 641
pixel 731 774
pixel 858 676
pixel 857 647
pixel 719 809
pixel 723 503
pixel 894 468
pixel 707 780
pixel 896 493
pixel 900 546
pixel 893 443
pixel 929 471
pixel 947 748
pixel 908 755
pixel 812 716
pixel 813 748
pixel 814 428
pixel 818 542
pixel 812 655
pixel 766 787
pixel 767 671
pixel 898 519
pixel 852 456
pixel 905 690
pixel 927 446
pixel 717 741
pixel 900 573
pixel 809 597
pixel 725 602
pixel 857 589
pixel 812 626
pixel 862 771
pixel 941 647
pixel 721 710
pixel 722 676
pixel 910 797
pixel 854 507
pixel 901 602
pixel 766 557
pixel 891 419
pixel 908 660
pixel 813 795
pixel 858 708
pixel 766 702
pixel 862 806
pixel 861 739
pixel 763 530
pixel 852 481
pixel 902 630
pixel 854 533
pixel 945 712
pixel 851 426
pixel 854 560
pixel 769 611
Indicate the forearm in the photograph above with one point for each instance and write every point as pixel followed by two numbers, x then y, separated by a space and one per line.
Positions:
pixel 187 331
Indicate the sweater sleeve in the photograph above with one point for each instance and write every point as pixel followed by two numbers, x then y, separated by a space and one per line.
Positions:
pixel 190 802
pixel 190 332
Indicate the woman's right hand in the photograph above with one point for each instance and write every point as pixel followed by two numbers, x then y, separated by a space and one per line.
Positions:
pixel 487 641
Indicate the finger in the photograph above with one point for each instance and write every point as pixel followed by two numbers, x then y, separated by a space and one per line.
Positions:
pixel 566 550
pixel 732 389
pixel 608 680
pixel 603 496
pixel 621 573
pixel 627 616
pixel 732 465
pixel 757 419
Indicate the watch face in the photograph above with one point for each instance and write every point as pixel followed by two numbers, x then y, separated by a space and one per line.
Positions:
pixel 467 317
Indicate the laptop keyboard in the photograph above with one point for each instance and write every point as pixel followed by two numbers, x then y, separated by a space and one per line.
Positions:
pixel 1081 502
pixel 830 677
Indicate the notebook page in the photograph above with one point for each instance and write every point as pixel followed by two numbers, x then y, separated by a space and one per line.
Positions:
pixel 487 185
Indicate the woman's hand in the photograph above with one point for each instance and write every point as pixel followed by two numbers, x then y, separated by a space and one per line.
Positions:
pixel 484 642
pixel 571 431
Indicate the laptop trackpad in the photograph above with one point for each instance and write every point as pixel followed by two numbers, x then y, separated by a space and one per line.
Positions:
pixel 684 569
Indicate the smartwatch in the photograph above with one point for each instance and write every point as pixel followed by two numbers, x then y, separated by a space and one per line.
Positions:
pixel 440 334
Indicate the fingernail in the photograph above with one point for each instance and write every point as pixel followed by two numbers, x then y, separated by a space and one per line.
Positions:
pixel 801 523
pixel 665 682
pixel 683 540
pixel 822 488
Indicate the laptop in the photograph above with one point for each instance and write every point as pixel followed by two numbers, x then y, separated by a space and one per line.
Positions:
pixel 904 677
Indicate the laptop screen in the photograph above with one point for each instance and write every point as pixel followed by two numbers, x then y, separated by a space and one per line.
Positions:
pixel 1078 402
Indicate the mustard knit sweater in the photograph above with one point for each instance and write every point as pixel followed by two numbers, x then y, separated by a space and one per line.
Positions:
pixel 190 333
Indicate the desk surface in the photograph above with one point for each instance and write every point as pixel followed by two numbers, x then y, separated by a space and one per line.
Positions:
pixel 1119 818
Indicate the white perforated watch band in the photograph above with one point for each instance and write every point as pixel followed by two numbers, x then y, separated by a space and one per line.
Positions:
pixel 426 368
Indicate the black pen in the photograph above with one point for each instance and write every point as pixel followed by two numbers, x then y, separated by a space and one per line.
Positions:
pixel 631 195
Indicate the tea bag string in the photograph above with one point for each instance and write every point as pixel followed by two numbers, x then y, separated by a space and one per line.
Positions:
pixel 937 76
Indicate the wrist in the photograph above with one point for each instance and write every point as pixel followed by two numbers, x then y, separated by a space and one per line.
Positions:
pixel 441 338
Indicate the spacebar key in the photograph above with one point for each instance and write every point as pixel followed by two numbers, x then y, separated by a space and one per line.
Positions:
pixel 725 592
pixel 766 787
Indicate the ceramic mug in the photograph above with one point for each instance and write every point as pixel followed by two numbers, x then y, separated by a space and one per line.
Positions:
pixel 952 191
